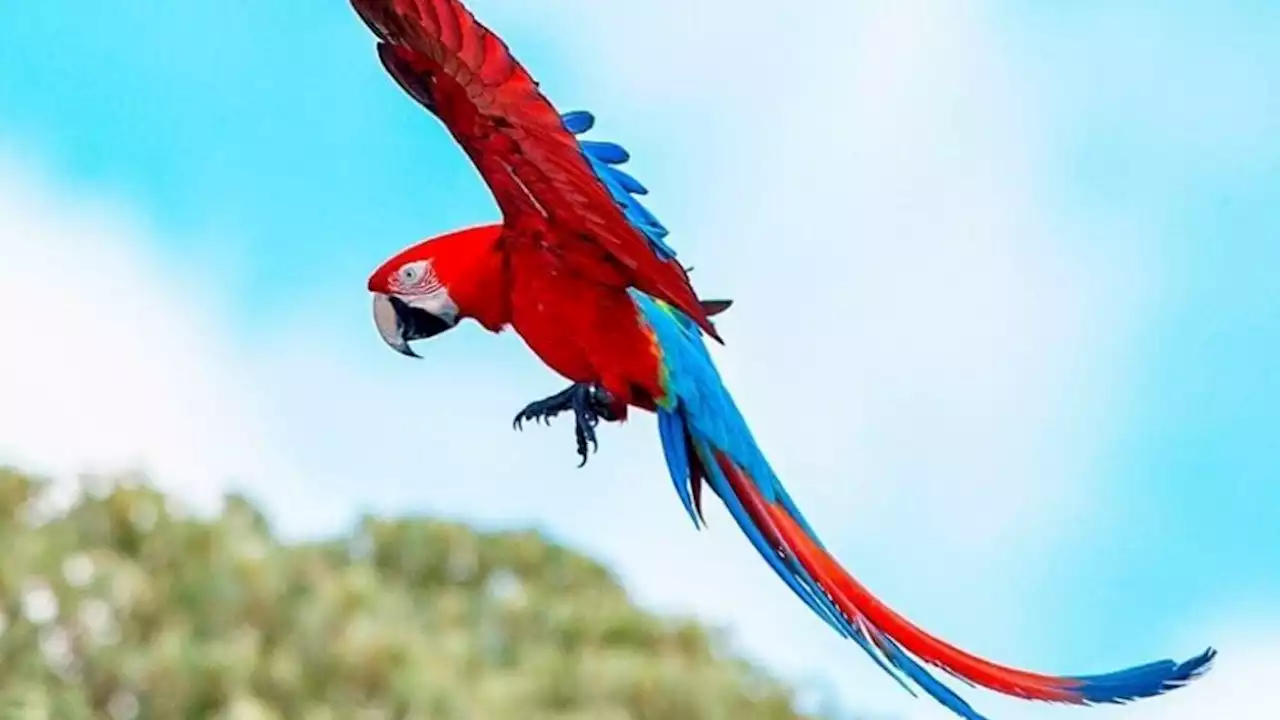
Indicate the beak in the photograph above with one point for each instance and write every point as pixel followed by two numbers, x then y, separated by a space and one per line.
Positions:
pixel 400 323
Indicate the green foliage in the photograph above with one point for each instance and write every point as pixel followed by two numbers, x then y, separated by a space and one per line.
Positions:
pixel 122 606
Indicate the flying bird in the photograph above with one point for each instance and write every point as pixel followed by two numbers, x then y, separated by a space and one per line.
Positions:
pixel 582 273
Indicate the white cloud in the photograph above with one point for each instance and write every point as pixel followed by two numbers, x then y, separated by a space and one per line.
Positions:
pixel 111 360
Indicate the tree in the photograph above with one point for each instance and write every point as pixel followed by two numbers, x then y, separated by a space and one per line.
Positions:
pixel 121 605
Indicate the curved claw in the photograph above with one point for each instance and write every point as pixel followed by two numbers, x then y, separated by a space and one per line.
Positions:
pixel 585 433
pixel 542 411
pixel 589 403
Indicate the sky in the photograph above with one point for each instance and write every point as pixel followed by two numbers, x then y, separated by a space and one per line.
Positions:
pixel 1006 315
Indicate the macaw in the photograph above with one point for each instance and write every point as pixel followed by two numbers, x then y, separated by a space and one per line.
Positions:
pixel 580 270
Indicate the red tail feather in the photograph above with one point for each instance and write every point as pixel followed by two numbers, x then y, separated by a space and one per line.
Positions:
pixel 858 604
pixel 856 601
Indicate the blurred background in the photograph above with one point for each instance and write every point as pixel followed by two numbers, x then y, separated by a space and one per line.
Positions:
pixel 1006 324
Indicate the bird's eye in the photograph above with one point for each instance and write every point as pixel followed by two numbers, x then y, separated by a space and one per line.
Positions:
pixel 415 275
pixel 411 274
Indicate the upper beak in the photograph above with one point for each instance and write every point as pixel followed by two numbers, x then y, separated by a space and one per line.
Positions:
pixel 400 323
pixel 387 317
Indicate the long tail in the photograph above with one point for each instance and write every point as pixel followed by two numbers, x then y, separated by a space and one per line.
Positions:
pixel 706 440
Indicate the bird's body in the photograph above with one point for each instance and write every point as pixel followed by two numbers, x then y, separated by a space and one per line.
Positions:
pixel 607 345
pixel 578 268
pixel 586 331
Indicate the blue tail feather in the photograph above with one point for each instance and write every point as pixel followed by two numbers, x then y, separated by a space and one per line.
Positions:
pixel 803 589
pixel 714 420
pixel 674 449
pixel 697 414
pixel 922 677
pixel 1143 680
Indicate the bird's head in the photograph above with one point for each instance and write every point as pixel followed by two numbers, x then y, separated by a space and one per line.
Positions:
pixel 430 287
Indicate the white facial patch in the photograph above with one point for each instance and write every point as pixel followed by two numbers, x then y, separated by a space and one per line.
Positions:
pixel 418 286
pixel 436 302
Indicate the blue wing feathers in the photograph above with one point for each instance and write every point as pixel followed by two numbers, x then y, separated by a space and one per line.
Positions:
pixel 603 156
pixel 578 121
pixel 626 182
pixel 606 152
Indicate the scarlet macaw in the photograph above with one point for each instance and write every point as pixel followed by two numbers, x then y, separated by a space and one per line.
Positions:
pixel 579 269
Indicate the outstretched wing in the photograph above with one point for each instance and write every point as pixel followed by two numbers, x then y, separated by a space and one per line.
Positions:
pixel 463 73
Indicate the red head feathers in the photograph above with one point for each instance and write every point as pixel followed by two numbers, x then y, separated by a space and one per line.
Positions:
pixel 428 288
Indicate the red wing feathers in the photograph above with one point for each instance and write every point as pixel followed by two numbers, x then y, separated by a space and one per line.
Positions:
pixel 460 70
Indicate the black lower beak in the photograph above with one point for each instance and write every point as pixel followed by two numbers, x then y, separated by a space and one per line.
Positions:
pixel 400 323
pixel 416 323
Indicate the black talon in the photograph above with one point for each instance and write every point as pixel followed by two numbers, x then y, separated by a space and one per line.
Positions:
pixel 589 403
pixel 544 410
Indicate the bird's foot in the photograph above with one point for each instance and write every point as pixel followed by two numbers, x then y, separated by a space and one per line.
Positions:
pixel 590 404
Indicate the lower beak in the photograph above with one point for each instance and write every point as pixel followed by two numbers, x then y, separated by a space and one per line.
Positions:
pixel 390 321
pixel 401 322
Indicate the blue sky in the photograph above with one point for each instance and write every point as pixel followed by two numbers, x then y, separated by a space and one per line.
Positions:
pixel 1015 263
